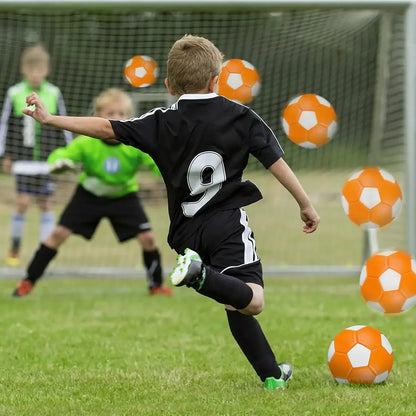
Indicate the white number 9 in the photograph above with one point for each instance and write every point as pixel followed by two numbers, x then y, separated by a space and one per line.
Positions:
pixel 205 176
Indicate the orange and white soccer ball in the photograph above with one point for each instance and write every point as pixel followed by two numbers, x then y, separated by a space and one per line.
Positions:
pixel 309 120
pixel 388 281
pixel 360 355
pixel 371 198
pixel 239 81
pixel 141 71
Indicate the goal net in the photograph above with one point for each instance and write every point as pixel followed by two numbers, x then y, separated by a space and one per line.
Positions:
pixel 352 57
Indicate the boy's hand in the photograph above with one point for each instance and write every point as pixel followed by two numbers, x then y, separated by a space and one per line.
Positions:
pixel 39 112
pixel 311 219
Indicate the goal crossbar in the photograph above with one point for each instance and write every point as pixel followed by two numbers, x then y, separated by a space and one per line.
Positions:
pixel 189 5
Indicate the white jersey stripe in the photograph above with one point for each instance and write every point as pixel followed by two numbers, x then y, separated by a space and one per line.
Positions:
pixel 250 254
pixel 7 109
pixel 151 112
pixel 235 267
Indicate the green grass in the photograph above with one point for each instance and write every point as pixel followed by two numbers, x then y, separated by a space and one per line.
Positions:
pixel 104 347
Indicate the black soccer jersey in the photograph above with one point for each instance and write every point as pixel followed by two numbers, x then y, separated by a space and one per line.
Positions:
pixel 201 145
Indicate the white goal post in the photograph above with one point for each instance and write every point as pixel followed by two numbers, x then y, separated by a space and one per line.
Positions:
pixel 360 55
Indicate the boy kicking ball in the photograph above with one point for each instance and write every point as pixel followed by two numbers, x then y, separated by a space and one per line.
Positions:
pixel 107 189
pixel 201 145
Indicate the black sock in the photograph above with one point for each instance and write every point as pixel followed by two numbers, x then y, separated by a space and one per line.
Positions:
pixel 15 245
pixel 153 264
pixel 226 289
pixel 42 257
pixel 249 336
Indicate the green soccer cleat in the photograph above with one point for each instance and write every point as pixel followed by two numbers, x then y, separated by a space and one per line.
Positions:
pixel 272 383
pixel 189 271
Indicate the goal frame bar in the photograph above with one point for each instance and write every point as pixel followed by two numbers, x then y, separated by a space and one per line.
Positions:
pixel 190 5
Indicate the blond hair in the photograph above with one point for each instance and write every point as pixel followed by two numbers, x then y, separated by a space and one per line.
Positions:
pixel 35 55
pixel 192 62
pixel 112 94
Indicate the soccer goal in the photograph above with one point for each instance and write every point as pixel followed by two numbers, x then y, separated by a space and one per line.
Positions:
pixel 359 55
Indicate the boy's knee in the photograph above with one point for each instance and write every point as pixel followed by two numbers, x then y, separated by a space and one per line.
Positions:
pixel 57 236
pixel 256 304
pixel 147 240
pixel 255 307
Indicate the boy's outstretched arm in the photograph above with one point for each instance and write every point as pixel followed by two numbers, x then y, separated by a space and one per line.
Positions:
pixel 97 127
pixel 284 174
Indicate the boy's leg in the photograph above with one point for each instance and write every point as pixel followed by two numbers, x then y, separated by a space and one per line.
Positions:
pixel 245 328
pixel 229 246
pixel 47 223
pixel 226 243
pixel 223 288
pixel 16 233
pixel 249 336
pixel 16 228
pixel 151 257
pixel 47 218
pixel 41 259
pixel 81 216
pixel 153 265
pixel 129 220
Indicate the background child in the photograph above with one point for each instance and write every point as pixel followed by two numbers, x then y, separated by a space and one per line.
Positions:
pixel 107 189
pixel 25 145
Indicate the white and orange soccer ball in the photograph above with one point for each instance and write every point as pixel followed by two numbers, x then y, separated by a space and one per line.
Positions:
pixel 141 71
pixel 371 198
pixel 309 120
pixel 239 81
pixel 388 281
pixel 360 355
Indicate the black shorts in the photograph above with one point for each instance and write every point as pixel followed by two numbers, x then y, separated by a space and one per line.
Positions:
pixel 85 211
pixel 38 185
pixel 226 243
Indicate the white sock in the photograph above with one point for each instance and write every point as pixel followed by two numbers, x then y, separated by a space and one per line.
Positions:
pixel 16 226
pixel 47 223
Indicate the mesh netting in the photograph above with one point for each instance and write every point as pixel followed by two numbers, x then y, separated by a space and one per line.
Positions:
pixel 334 53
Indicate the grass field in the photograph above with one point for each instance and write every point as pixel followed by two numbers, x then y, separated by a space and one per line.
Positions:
pixel 104 347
